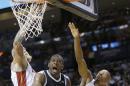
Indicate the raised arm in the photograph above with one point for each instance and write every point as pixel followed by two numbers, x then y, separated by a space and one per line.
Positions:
pixel 19 37
pixel 20 67
pixel 18 52
pixel 82 66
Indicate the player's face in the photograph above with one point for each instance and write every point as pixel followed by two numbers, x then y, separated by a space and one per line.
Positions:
pixel 102 79
pixel 56 64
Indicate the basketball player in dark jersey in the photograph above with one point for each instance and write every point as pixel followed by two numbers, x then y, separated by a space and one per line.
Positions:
pixel 52 76
pixel 102 78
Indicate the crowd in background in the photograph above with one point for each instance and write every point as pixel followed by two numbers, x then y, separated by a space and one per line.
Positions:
pixel 119 69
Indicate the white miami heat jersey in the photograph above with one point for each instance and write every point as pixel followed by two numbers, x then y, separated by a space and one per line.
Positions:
pixel 23 78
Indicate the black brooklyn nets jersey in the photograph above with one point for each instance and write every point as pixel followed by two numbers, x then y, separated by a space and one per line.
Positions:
pixel 50 81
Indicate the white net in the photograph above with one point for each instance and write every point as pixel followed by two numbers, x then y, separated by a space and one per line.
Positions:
pixel 29 17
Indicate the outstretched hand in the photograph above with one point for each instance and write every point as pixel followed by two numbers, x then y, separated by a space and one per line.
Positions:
pixel 74 30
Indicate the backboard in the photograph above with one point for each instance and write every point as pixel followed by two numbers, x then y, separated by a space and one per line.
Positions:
pixel 86 9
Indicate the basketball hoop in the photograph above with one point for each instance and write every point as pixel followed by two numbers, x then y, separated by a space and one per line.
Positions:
pixel 29 17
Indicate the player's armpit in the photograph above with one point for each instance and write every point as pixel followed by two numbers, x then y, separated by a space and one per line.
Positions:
pixel 83 82
pixel 87 79
pixel 84 72
pixel 90 77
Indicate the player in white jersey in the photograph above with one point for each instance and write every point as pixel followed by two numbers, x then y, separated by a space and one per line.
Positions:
pixel 102 78
pixel 22 73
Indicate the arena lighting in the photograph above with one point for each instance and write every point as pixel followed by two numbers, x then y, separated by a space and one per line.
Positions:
pixel 42 42
pixel 57 39
pixel 123 26
pixel 114 44
pixel 82 34
pixel 104 46
pixel 94 48
pixel 96 31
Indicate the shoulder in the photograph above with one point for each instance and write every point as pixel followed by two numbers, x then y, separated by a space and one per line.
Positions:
pixel 67 79
pixel 42 73
pixel 39 78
